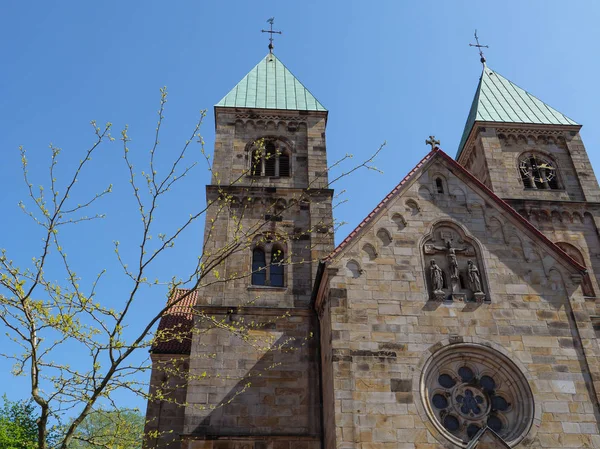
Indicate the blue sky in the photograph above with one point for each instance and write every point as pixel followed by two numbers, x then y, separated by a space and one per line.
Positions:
pixel 394 71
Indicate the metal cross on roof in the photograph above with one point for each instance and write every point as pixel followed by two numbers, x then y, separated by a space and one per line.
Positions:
pixel 479 47
pixel 271 32
pixel 431 141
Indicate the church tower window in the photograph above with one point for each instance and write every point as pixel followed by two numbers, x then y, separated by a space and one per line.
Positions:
pixel 273 274
pixel 276 268
pixel 270 158
pixel 259 273
pixel 538 172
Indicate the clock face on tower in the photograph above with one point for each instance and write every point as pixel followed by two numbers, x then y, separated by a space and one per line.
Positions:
pixel 538 172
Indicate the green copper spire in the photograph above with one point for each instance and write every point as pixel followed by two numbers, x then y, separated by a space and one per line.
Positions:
pixel 499 100
pixel 270 85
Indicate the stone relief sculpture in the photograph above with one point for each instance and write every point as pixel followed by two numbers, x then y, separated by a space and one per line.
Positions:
pixel 437 279
pixel 465 280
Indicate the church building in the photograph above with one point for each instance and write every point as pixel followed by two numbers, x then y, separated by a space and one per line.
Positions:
pixel 460 313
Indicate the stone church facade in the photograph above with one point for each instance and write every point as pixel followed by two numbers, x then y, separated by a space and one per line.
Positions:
pixel 459 314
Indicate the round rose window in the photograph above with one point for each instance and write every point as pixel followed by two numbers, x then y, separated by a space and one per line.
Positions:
pixel 466 387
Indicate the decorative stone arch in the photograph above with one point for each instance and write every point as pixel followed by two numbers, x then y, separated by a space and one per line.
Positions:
pixel 384 237
pixel 485 352
pixel 399 220
pixel 453 264
pixel 425 193
pixel 538 170
pixel 413 207
pixel 576 254
pixel 370 251
pixel 270 156
pixel 354 268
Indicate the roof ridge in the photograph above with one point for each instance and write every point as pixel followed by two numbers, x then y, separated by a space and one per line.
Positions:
pixel 503 204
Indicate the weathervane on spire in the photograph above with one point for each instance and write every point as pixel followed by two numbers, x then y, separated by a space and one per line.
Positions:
pixel 271 32
pixel 479 47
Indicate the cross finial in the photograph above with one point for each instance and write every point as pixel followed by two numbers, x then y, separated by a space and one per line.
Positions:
pixel 479 47
pixel 271 32
pixel 431 141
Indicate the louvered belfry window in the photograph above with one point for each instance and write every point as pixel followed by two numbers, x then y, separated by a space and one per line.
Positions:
pixel 270 159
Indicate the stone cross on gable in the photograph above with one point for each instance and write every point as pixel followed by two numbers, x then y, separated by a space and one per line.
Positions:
pixel 431 141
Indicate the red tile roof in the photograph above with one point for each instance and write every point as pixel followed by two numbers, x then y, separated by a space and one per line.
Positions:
pixel 499 201
pixel 177 322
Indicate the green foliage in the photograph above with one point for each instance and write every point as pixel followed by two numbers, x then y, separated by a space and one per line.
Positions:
pixel 18 428
pixel 110 429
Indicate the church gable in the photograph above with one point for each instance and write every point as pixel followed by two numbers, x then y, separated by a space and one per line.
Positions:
pixel 441 223
pixel 443 313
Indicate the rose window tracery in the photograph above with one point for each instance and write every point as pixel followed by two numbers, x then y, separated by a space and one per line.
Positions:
pixel 538 172
pixel 468 388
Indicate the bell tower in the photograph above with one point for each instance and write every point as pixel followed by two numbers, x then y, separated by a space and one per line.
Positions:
pixel 533 157
pixel 268 223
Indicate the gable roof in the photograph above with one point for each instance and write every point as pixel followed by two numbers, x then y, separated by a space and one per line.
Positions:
pixel 178 321
pixel 499 100
pixel 270 85
pixel 438 153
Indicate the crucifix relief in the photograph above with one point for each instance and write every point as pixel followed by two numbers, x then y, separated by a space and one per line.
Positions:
pixel 452 270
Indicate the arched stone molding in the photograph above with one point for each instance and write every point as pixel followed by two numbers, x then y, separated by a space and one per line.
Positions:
pixel 384 237
pixel 399 220
pixel 353 268
pixel 575 253
pixel 370 251
pixel 425 193
pixel 412 207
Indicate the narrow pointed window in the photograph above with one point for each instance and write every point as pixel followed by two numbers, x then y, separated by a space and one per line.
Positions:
pixel 439 185
pixel 284 165
pixel 276 269
pixel 256 163
pixel 270 159
pixel 259 272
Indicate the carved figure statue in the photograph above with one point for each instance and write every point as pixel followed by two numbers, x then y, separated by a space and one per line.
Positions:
pixel 451 255
pixel 437 279
pixel 474 279
pixel 452 262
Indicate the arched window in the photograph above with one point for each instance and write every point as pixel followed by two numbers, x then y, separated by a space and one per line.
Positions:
pixel 272 274
pixel 284 165
pixel 439 185
pixel 271 158
pixel 256 163
pixel 538 172
pixel 259 272
pixel 276 268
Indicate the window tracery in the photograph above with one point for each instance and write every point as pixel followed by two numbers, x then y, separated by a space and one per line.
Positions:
pixel 466 387
pixel 538 171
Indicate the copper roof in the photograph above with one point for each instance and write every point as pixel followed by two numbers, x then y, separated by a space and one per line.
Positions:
pixel 492 196
pixel 178 321
pixel 499 100
pixel 270 85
